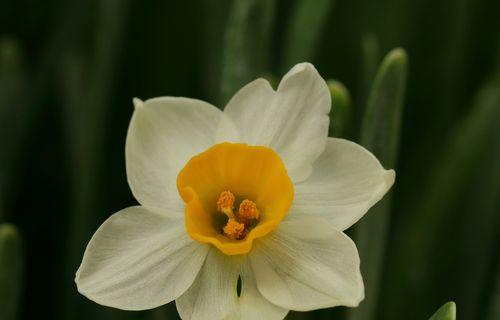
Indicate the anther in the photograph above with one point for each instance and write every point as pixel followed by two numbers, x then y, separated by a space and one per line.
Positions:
pixel 248 211
pixel 234 230
pixel 225 204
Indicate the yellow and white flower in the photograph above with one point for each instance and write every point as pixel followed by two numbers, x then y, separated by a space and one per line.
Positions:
pixel 242 211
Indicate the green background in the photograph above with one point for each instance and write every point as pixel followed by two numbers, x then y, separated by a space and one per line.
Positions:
pixel 69 71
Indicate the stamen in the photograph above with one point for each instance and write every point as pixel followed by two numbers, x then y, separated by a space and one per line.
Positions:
pixel 238 225
pixel 234 230
pixel 248 211
pixel 225 203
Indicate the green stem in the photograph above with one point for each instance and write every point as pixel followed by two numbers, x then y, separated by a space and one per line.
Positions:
pixel 13 116
pixel 214 23
pixel 447 312
pixel 493 312
pixel 370 60
pixel 340 114
pixel 86 99
pixel 11 267
pixel 246 46
pixel 380 135
pixel 472 147
pixel 305 26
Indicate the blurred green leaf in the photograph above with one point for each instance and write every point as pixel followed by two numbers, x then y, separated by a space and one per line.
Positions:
pixel 473 146
pixel 380 135
pixel 303 33
pixel 493 307
pixel 10 73
pixel 340 114
pixel 382 119
pixel 86 87
pixel 13 120
pixel 493 312
pixel 214 23
pixel 370 60
pixel 246 46
pixel 451 63
pixel 11 267
pixel 446 312
pixel 480 211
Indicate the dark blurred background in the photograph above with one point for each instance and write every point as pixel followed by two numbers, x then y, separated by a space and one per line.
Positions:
pixel 69 71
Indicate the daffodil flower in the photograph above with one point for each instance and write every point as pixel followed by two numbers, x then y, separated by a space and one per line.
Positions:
pixel 242 211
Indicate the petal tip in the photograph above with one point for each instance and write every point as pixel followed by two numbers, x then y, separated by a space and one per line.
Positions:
pixel 77 276
pixel 138 103
pixel 390 178
pixel 303 65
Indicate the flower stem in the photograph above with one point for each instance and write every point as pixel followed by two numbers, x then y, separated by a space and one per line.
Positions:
pixel 380 135
pixel 11 267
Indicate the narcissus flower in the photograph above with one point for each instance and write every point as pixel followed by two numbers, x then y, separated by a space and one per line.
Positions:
pixel 242 211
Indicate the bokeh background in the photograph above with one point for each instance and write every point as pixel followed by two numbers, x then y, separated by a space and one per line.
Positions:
pixel 69 71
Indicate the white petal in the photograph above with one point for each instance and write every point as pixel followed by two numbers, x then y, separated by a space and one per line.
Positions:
pixel 292 120
pixel 164 134
pixel 139 260
pixel 346 181
pixel 307 264
pixel 252 304
pixel 214 296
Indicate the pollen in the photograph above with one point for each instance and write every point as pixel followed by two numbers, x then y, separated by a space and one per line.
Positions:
pixel 239 223
pixel 225 203
pixel 234 194
pixel 234 230
pixel 248 211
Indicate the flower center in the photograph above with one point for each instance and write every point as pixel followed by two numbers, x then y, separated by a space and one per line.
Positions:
pixel 239 223
pixel 234 193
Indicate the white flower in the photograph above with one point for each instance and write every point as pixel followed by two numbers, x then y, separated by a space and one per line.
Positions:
pixel 270 211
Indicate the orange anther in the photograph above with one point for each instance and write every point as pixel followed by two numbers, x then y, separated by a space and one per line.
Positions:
pixel 248 211
pixel 225 203
pixel 234 230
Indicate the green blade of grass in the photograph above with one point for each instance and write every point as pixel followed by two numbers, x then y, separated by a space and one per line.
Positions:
pixel 493 312
pixel 214 22
pixel 11 266
pixel 305 26
pixel 13 116
pixel 86 111
pixel 380 135
pixel 370 60
pixel 381 122
pixel 86 95
pixel 446 312
pixel 11 75
pixel 340 114
pixel 479 211
pixel 472 146
pixel 246 44
pixel 493 308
